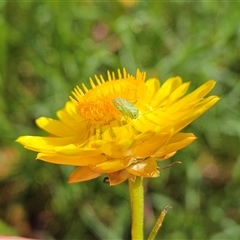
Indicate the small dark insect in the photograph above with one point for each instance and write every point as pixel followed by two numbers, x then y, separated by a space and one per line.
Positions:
pixel 106 180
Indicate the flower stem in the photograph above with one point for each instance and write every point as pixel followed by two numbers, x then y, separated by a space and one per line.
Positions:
pixel 136 196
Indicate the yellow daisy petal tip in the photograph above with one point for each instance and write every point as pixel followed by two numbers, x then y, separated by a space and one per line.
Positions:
pixel 22 140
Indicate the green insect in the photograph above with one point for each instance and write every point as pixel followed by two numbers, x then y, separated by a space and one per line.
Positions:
pixel 126 108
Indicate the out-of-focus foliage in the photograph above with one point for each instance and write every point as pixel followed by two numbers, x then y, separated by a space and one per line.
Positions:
pixel 48 47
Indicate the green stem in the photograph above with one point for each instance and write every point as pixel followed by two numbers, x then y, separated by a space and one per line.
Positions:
pixel 137 204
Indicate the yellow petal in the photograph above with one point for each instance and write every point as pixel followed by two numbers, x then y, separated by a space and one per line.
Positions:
pixel 82 174
pixel 153 85
pixel 178 93
pixel 117 149
pixel 44 144
pixel 151 145
pixel 55 127
pixel 166 89
pixel 72 160
pixel 109 166
pixel 158 118
pixel 192 98
pixel 190 115
pixel 118 133
pixel 208 102
pixel 165 157
pixel 178 141
pixel 73 149
pixel 146 168
pixel 118 177
pixel 143 125
pixel 169 86
pixel 69 116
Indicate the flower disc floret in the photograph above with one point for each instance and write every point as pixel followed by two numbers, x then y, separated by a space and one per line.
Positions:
pixel 97 105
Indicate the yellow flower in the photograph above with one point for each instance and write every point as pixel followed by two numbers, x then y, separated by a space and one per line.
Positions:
pixel 121 127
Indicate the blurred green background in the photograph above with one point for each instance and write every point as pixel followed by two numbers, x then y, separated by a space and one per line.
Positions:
pixel 48 47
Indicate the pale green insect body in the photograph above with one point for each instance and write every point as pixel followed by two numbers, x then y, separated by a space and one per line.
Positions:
pixel 126 108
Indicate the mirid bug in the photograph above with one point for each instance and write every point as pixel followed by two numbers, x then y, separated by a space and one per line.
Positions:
pixel 126 108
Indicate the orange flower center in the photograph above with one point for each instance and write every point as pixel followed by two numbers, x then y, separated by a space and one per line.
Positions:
pixel 97 104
